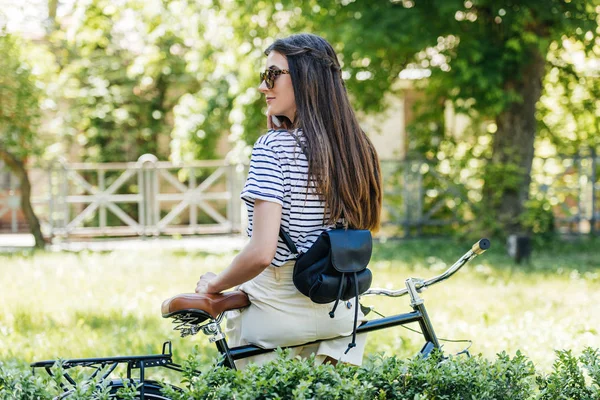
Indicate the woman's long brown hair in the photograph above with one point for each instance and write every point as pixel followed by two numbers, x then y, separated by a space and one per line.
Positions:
pixel 341 158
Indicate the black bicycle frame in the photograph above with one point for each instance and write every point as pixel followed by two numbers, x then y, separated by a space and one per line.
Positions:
pixel 418 315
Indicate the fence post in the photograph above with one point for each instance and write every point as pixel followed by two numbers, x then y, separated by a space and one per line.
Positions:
pixel 102 220
pixel 192 204
pixel 141 204
pixel 63 187
pixel 230 184
pixel 51 199
pixel 405 195
pixel 421 199
pixel 593 178
pixel 240 222
pixel 148 189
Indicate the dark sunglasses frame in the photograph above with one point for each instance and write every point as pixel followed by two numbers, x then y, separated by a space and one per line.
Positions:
pixel 270 75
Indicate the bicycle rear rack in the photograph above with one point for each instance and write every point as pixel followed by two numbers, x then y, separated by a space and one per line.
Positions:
pixel 109 364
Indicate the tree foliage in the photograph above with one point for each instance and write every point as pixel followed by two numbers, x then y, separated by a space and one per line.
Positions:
pixel 487 59
pixel 121 77
pixel 569 112
pixel 136 77
pixel 20 99
pixel 136 74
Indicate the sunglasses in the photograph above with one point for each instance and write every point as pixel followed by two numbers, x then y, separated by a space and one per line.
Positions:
pixel 270 75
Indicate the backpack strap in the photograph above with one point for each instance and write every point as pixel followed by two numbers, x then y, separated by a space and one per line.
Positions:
pixel 282 234
pixel 300 144
pixel 339 295
pixel 288 241
pixel 353 343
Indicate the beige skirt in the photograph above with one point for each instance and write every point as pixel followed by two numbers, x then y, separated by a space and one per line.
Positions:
pixel 280 316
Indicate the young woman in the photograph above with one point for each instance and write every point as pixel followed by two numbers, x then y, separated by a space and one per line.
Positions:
pixel 317 169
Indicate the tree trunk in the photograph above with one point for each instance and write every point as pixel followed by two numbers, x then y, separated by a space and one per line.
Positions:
pixel 18 168
pixel 52 8
pixel 508 175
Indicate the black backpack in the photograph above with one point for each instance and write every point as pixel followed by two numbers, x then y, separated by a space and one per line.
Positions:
pixel 334 268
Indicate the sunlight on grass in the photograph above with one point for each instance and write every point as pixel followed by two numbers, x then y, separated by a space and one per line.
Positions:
pixel 101 304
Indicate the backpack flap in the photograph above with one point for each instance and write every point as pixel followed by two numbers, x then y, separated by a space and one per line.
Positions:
pixel 350 249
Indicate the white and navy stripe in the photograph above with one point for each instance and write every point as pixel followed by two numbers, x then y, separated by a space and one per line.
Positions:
pixel 279 173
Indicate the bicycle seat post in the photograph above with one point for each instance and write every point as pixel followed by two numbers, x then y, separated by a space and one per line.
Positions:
pixel 213 329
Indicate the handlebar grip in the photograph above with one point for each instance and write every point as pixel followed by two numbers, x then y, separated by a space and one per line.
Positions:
pixel 481 246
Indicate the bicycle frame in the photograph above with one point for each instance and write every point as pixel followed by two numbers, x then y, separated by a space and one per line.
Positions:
pixel 230 355
pixel 419 314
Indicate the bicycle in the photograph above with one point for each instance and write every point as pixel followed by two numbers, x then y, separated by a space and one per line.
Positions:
pixel 193 313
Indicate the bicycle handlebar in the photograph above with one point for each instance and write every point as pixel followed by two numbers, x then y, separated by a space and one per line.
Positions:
pixel 478 248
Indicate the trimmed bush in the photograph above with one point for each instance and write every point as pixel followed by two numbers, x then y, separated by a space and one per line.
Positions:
pixel 569 381
pixel 16 382
pixel 379 378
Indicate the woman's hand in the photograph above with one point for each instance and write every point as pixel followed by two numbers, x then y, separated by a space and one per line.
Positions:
pixel 283 122
pixel 202 286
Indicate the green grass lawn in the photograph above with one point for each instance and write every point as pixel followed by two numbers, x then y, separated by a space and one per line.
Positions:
pixel 101 304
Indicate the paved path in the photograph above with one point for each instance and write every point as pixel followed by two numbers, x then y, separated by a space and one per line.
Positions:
pixel 208 243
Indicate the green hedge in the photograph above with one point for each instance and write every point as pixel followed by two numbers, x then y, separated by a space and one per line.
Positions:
pixel 379 378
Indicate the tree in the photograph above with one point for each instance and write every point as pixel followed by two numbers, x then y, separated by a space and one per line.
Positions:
pixel 134 70
pixel 488 58
pixel 495 56
pixel 19 122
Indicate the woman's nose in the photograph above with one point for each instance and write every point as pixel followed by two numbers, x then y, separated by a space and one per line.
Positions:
pixel 263 86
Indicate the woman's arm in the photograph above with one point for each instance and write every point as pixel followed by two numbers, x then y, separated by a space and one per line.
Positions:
pixel 255 256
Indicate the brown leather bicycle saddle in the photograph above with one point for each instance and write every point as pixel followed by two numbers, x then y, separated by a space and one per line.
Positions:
pixel 204 306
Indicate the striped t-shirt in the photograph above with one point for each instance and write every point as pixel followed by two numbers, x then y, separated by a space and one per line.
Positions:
pixel 279 173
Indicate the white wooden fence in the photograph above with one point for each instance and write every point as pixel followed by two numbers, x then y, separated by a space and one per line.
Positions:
pixel 147 197
pixel 151 197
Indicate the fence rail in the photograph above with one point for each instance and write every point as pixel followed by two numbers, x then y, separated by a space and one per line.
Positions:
pixel 151 197
pixel 571 186
pixel 147 197
pixel 418 197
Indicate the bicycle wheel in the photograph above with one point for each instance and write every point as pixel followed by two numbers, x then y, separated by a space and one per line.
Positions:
pixel 151 390
pixel 150 394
